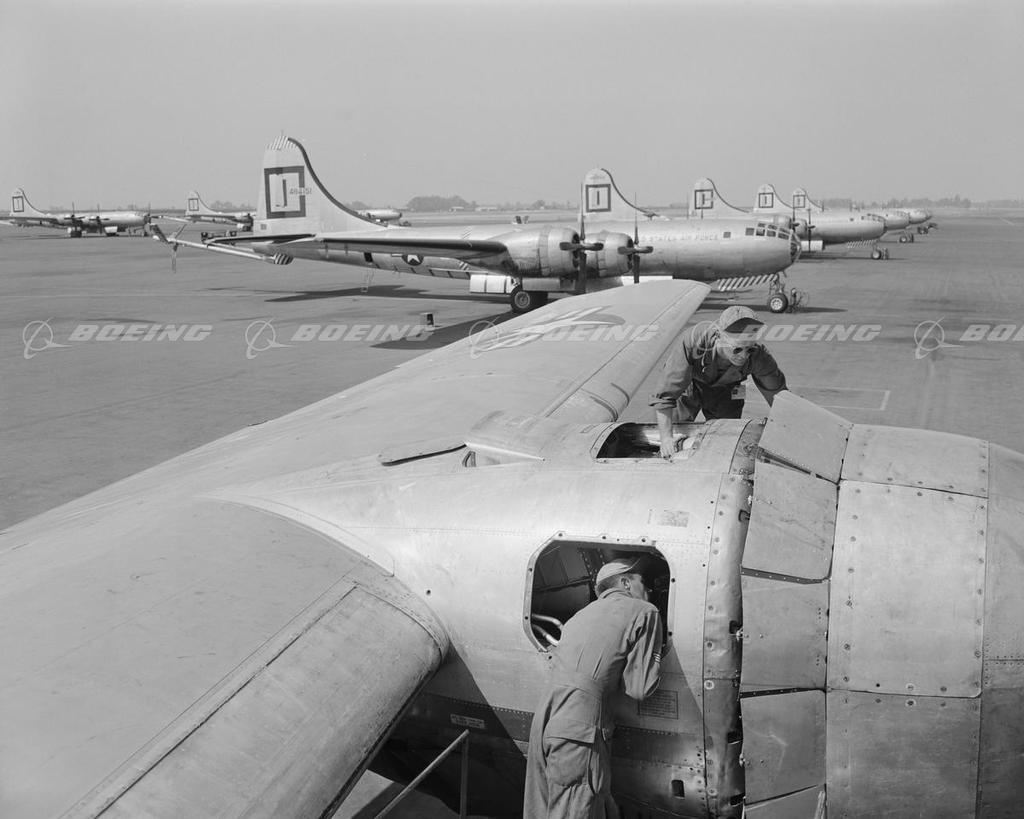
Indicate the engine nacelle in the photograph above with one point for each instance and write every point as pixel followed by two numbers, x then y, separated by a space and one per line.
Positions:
pixel 538 251
pixel 613 259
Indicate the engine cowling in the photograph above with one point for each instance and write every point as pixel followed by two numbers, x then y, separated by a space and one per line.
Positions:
pixel 538 251
pixel 613 258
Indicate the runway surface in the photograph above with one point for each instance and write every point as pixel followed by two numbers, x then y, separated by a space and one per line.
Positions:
pixel 111 364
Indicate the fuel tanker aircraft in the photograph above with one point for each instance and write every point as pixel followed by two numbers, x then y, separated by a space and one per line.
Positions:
pixel 105 222
pixel 241 630
pixel 298 219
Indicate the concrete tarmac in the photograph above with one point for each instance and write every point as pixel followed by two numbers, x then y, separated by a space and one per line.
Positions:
pixel 109 363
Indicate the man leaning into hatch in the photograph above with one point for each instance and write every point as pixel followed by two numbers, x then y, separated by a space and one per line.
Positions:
pixel 613 641
pixel 705 373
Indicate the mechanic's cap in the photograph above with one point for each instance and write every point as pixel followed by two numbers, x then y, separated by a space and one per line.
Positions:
pixel 735 319
pixel 621 565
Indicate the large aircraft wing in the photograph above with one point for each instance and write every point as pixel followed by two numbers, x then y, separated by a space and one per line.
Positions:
pixel 168 652
pixel 398 242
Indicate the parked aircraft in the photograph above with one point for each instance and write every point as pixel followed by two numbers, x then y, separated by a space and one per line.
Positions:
pixel 106 222
pixel 736 250
pixel 241 630
pixel 298 219
pixel 820 228
pixel 196 210
pixel 383 215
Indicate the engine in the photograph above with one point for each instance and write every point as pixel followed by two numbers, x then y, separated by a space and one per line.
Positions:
pixel 542 251
pixel 613 259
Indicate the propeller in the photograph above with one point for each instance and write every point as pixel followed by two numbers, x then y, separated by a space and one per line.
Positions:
pixel 635 252
pixel 580 248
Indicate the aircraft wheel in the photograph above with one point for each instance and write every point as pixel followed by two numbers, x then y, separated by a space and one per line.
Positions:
pixel 876 254
pixel 904 239
pixel 777 303
pixel 523 301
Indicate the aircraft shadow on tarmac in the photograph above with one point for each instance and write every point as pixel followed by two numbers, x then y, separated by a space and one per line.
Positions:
pixel 385 291
pixel 440 336
pixel 719 301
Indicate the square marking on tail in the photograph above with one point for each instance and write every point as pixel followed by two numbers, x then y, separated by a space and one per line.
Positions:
pixel 599 198
pixel 703 199
pixel 799 200
pixel 285 190
pixel 766 199
pixel 17 204
pixel 193 205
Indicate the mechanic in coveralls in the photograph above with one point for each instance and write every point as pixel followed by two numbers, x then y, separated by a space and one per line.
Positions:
pixel 613 642
pixel 706 373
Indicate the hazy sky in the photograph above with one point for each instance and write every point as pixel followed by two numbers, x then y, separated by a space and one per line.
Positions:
pixel 113 102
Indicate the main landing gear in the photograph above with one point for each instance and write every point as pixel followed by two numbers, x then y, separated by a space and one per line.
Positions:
pixel 880 253
pixel 523 301
pixel 906 237
pixel 779 301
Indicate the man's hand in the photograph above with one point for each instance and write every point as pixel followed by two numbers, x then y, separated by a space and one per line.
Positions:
pixel 668 441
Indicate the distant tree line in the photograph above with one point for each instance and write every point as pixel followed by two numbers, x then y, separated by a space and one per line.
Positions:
pixel 444 203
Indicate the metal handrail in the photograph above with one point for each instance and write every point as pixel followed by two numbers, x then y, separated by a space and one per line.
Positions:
pixel 463 739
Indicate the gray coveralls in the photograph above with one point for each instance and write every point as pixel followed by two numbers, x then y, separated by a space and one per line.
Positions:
pixel 694 380
pixel 615 638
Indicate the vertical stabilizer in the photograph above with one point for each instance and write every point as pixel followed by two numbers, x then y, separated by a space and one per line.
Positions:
pixel 706 202
pixel 195 206
pixel 769 201
pixel 20 206
pixel 604 202
pixel 293 200
pixel 801 201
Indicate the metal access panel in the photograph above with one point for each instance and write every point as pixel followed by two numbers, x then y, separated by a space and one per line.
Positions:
pixel 907 598
pixel 792 523
pixel 783 743
pixel 917 457
pixel 801 805
pixel 784 634
pixel 804 435
pixel 890 755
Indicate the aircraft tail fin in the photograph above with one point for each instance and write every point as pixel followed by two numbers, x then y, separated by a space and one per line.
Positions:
pixel 20 206
pixel 769 201
pixel 706 201
pixel 801 201
pixel 293 200
pixel 604 202
pixel 195 206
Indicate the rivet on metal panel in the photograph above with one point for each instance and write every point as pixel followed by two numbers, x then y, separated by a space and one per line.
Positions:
pixel 857 517
pixel 910 686
pixel 846 646
pixel 911 702
pixel 846 679
pixel 942 688
pixel 942 705
pixel 853 537
pixel 709 684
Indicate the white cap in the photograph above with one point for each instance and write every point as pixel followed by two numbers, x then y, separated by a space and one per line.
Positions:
pixel 621 565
